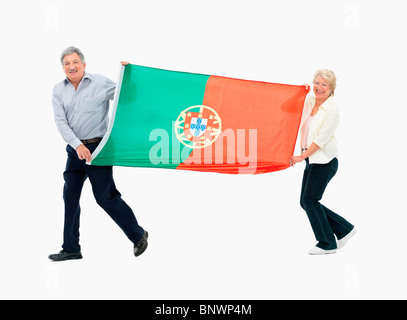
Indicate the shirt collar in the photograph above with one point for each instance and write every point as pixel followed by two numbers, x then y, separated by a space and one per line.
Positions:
pixel 85 76
pixel 327 104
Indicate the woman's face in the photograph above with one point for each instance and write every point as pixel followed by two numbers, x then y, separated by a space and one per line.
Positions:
pixel 322 90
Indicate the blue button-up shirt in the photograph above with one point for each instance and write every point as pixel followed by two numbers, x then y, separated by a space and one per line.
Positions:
pixel 83 113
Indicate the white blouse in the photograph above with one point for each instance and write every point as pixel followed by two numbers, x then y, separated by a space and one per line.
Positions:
pixel 321 129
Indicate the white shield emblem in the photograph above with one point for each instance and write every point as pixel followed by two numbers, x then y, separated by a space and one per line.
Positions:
pixel 198 126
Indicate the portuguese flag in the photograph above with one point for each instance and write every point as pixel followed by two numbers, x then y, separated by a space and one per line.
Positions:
pixel 188 121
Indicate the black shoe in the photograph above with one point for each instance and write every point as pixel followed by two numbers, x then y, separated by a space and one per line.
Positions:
pixel 63 255
pixel 141 245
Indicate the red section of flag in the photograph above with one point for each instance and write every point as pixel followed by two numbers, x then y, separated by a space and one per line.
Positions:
pixel 259 121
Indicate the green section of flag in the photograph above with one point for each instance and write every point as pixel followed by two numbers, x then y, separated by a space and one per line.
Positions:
pixel 150 102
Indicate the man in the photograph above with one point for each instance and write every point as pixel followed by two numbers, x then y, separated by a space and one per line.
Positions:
pixel 81 105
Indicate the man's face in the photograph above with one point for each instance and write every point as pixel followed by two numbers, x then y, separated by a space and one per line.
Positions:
pixel 74 68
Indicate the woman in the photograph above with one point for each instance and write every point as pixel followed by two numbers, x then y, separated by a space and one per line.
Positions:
pixel 319 150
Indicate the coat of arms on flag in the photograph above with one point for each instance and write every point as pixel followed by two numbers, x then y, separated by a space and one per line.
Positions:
pixel 198 126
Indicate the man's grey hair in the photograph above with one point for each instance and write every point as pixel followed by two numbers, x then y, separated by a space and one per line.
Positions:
pixel 72 50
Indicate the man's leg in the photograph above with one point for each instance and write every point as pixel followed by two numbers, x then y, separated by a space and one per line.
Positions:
pixel 109 198
pixel 74 177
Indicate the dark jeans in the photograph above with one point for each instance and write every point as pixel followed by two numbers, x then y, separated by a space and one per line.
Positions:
pixel 106 195
pixel 325 223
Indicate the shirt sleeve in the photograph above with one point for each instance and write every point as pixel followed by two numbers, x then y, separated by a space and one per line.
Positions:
pixel 61 120
pixel 110 87
pixel 328 127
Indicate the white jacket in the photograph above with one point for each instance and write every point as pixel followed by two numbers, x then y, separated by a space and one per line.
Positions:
pixel 322 129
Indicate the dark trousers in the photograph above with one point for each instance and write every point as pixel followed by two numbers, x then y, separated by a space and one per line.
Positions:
pixel 106 195
pixel 324 222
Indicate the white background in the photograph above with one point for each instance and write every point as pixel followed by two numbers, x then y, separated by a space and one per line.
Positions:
pixel 212 236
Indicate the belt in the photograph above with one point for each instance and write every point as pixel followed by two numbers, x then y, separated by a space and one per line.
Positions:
pixel 94 140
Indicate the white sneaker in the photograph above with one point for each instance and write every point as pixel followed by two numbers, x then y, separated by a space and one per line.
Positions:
pixel 345 239
pixel 318 251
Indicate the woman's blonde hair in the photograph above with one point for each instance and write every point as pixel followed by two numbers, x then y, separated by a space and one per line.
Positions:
pixel 329 77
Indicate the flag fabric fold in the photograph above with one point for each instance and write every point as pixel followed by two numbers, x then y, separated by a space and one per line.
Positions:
pixel 187 121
